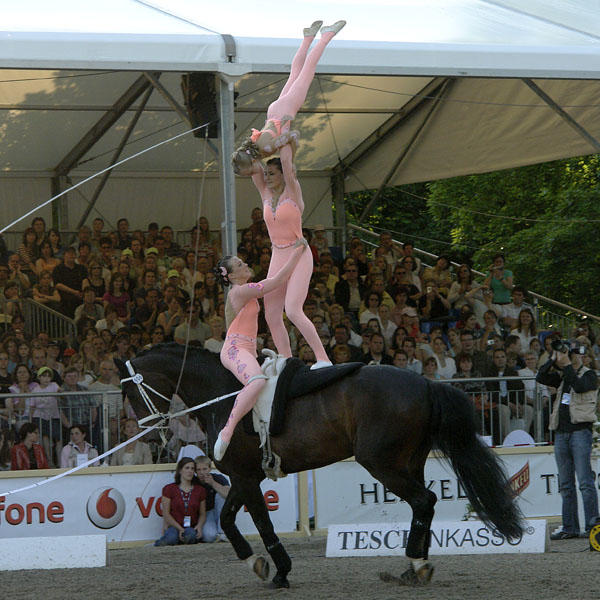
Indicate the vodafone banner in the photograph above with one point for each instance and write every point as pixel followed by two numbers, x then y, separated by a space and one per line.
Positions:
pixel 125 506
pixel 347 493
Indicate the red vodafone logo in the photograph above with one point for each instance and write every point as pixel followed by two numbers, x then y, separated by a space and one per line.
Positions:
pixel 106 507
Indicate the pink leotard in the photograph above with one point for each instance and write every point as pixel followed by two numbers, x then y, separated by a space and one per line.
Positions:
pixel 284 221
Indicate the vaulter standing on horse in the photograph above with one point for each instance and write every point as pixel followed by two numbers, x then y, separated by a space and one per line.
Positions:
pixel 239 351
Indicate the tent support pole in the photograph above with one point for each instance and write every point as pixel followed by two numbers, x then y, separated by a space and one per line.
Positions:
pixel 225 87
pixel 115 158
pixel 563 114
pixel 434 104
pixel 338 191
pixel 105 122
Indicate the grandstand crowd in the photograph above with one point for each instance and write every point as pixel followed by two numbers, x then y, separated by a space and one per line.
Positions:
pixel 130 290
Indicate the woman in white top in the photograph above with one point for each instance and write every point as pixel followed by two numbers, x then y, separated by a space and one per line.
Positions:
pixel 373 302
pixel 526 329
pixel 388 327
pixel 135 453
pixel 446 365
pixel 464 290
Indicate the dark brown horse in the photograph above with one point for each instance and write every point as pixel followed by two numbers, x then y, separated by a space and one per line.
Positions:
pixel 387 418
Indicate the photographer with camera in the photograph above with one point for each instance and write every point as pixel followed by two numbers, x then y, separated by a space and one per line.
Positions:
pixel 573 414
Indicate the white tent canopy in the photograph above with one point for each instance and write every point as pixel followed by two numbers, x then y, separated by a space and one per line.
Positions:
pixel 410 91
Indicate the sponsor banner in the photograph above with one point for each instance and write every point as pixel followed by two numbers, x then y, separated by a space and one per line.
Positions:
pixel 462 537
pixel 347 493
pixel 123 506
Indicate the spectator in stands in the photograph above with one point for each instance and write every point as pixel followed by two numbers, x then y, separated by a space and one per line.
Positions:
pixel 215 342
pixel 446 366
pixel 68 278
pixel 183 506
pixel 77 409
pixel 136 452
pixel 531 370
pixel 84 235
pixel 16 274
pixel 7 442
pixel 77 451
pixel 157 336
pixel 341 354
pixel 123 237
pixel 118 297
pixel 465 290
pixel 11 346
pixel 136 260
pixel 107 257
pixel 110 320
pixel 377 354
pixel 410 278
pixel 432 304
pixel 54 239
pixel 5 378
pixel 148 311
pixel 192 329
pixel 490 329
pixel 77 362
pixel 84 254
pixel 47 261
pixel 513 344
pixel 400 359
pixel 326 268
pixel 121 347
pixel 97 227
pixel 172 249
pixel 468 320
pixel 89 308
pixel 27 252
pixel 409 346
pixel 390 250
pixel 45 293
pixel 350 290
pixel 151 235
pixel 104 383
pixel 217 487
pixel 53 350
pixel 499 280
pixel 44 411
pixel 510 311
pixel 526 329
pixel 12 302
pixel 28 455
pixel 430 369
pixel 388 327
pixel 307 356
pixel 370 311
pixel 172 316
pixel 320 241
pixel 508 394
pixel 18 409
pixel 408 250
pixel 341 336
pixel 479 358
pixel 95 281
pixel 440 274
pixel 162 259
pixel 39 226
pixel 475 389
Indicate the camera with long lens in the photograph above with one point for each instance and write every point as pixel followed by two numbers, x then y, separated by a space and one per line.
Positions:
pixel 568 347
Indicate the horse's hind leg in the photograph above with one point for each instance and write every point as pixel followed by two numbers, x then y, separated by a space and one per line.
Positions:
pixel 255 503
pixel 240 544
pixel 409 485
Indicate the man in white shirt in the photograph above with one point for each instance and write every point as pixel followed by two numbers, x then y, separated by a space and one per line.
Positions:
pixel 198 331
pixel 510 312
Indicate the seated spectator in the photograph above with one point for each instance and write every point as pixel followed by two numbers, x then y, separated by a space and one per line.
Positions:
pixel 465 289
pixel 403 280
pixel 378 285
pixel 47 261
pixel 499 280
pixel 16 274
pixel 341 336
pixel 110 320
pixel 11 346
pixel 490 329
pixel 148 309
pixel 157 336
pixel 174 279
pixel 350 290
pixel 513 344
pixel 409 346
pixel 526 329
pixel 390 250
pixel 118 297
pixel 388 327
pixel 28 454
pixel 341 354
pixel 376 354
pixel 508 394
pixel 357 253
pixel 95 281
pixel 468 320
pixel 89 308
pixel 326 269
pixel 439 274
pixel 121 347
pixel 479 359
pixel 97 235
pixel 77 408
pixel 172 317
pixel 183 507
pixel 192 329
pixel 320 241
pixel 370 311
pixel 215 342
pixel 306 355
pixel 68 278
pixel 136 452
pixel 54 239
pixel 45 293
pixel 163 260
pixel 12 301
pixel 454 342
pixel 430 369
pixel 400 359
pixel 529 385
pixel 76 361
pixel 433 306
pixel 446 367
pixel 123 237
pixel 408 250
pixel 44 411
pixel 18 409
pixel 7 442
pixel 217 487
pixel 396 344
pixel 84 254
pixel 77 451
pixel 27 253
pixel 509 314
pixel 172 249
pixel 105 383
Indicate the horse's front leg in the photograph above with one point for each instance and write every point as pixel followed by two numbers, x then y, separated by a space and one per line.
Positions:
pixel 255 503
pixel 231 507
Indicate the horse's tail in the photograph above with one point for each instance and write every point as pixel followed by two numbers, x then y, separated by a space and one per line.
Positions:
pixel 479 470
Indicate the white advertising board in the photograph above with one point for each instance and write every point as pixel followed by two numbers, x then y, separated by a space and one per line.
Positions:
pixel 124 506
pixel 347 493
pixel 462 537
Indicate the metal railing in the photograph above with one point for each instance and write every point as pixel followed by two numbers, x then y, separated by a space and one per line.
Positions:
pixel 39 317
pixel 547 315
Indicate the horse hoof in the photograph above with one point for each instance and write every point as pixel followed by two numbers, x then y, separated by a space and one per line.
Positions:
pixel 410 577
pixel 261 567
pixel 279 582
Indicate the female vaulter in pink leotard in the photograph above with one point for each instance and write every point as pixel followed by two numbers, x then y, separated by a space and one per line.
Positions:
pixel 283 217
pixel 276 131
pixel 239 351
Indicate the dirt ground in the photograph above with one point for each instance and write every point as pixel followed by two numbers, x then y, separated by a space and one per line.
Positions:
pixel 205 571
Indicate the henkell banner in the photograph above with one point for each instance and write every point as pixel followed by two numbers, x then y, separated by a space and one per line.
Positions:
pixel 123 506
pixel 462 537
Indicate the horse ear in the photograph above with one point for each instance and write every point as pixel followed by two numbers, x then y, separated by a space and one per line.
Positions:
pixel 123 372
